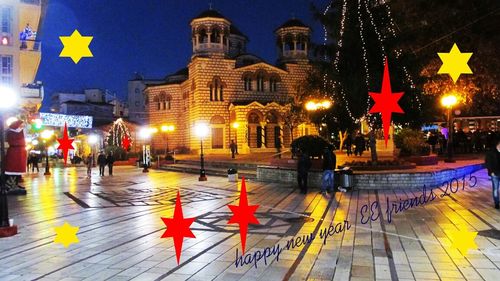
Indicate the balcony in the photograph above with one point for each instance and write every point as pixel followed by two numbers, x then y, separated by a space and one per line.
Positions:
pixel 31 96
pixel 30 45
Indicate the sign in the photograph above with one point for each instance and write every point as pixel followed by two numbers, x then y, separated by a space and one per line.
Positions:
pixel 73 121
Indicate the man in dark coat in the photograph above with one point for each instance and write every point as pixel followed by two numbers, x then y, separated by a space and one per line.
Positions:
pixel 493 166
pixel 360 143
pixel 101 161
pixel 329 164
pixel 232 146
pixel 110 160
pixel 303 166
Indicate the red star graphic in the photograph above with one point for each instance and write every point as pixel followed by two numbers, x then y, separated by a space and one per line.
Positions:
pixel 386 102
pixel 243 214
pixel 65 144
pixel 178 227
pixel 125 142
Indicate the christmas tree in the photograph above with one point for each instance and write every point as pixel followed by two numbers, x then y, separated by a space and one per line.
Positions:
pixel 119 135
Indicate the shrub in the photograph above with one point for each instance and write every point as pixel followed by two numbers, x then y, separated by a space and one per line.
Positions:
pixel 311 144
pixel 411 142
pixel 118 152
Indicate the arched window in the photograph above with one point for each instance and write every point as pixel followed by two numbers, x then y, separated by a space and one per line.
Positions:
pixel 215 36
pixel 216 89
pixel 260 82
pixel 248 83
pixel 156 100
pixel 167 104
pixel 203 36
pixel 273 84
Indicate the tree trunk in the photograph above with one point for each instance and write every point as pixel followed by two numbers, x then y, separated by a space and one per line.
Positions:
pixel 343 137
pixel 373 146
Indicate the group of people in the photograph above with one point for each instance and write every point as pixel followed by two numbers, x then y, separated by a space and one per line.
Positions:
pixel 33 161
pixel 359 143
pixel 102 161
pixel 327 179
pixel 463 142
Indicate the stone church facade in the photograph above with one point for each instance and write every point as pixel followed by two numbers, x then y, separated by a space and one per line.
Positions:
pixel 237 95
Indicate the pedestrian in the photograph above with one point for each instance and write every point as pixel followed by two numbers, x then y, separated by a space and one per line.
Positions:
pixel 29 163
pixel 360 143
pixel 329 164
pixel 277 144
pixel 110 160
pixel 90 162
pixel 493 166
pixel 232 146
pixel 34 163
pixel 303 166
pixel 348 145
pixel 101 161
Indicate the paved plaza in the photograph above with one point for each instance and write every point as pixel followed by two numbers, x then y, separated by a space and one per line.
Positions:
pixel 120 226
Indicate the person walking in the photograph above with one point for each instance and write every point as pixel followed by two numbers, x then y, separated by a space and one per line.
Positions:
pixel 303 166
pixel 90 163
pixel 348 145
pixel 492 163
pixel 34 163
pixel 29 165
pixel 110 160
pixel 232 146
pixel 360 143
pixel 101 161
pixel 329 163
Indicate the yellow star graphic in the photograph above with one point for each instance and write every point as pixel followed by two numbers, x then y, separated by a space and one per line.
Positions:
pixel 454 63
pixel 463 240
pixel 76 46
pixel 66 234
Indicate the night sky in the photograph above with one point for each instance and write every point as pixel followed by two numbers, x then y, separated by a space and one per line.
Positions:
pixel 151 37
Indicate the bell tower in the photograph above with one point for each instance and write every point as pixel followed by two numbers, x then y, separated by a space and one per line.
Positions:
pixel 210 34
pixel 293 41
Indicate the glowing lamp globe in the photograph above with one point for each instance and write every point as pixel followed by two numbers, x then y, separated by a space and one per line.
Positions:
pixel 92 139
pixel 201 130
pixel 8 97
pixel 449 101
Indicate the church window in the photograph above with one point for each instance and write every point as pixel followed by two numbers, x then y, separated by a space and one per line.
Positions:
pixel 260 82
pixel 248 83
pixel 273 85
pixel 216 90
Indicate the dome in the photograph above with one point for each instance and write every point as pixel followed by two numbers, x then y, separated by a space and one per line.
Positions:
pixel 293 23
pixel 210 14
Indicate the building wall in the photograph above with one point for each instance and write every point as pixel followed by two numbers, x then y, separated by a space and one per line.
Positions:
pixel 24 61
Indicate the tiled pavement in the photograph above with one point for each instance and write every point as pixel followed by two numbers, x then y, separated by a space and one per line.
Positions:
pixel 120 229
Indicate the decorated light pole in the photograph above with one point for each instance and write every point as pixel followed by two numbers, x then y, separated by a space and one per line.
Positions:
pixel 9 99
pixel 448 102
pixel 201 131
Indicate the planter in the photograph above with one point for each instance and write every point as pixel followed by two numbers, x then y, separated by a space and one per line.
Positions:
pixel 422 160
pixel 292 163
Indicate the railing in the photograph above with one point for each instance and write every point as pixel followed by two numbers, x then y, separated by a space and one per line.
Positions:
pixel 294 53
pixel 31 2
pixel 32 91
pixel 31 45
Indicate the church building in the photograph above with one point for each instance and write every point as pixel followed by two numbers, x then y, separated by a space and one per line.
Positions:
pixel 237 95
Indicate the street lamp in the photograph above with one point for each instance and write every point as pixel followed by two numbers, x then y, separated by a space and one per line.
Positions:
pixel 314 105
pixel 201 131
pixel 46 135
pixel 167 129
pixel 448 102
pixel 8 100
pixel 145 133
pixel 236 125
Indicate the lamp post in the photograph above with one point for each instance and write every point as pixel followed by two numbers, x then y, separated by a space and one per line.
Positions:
pixel 167 129
pixel 236 125
pixel 46 135
pixel 313 106
pixel 145 134
pixel 448 102
pixel 201 131
pixel 9 99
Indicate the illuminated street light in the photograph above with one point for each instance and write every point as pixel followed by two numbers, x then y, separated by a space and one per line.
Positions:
pixel 318 105
pixel 46 135
pixel 8 98
pixel 35 142
pixel 167 129
pixel 93 139
pixel 448 102
pixel 201 130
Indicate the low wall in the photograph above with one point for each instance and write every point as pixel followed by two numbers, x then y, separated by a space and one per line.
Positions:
pixel 371 180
